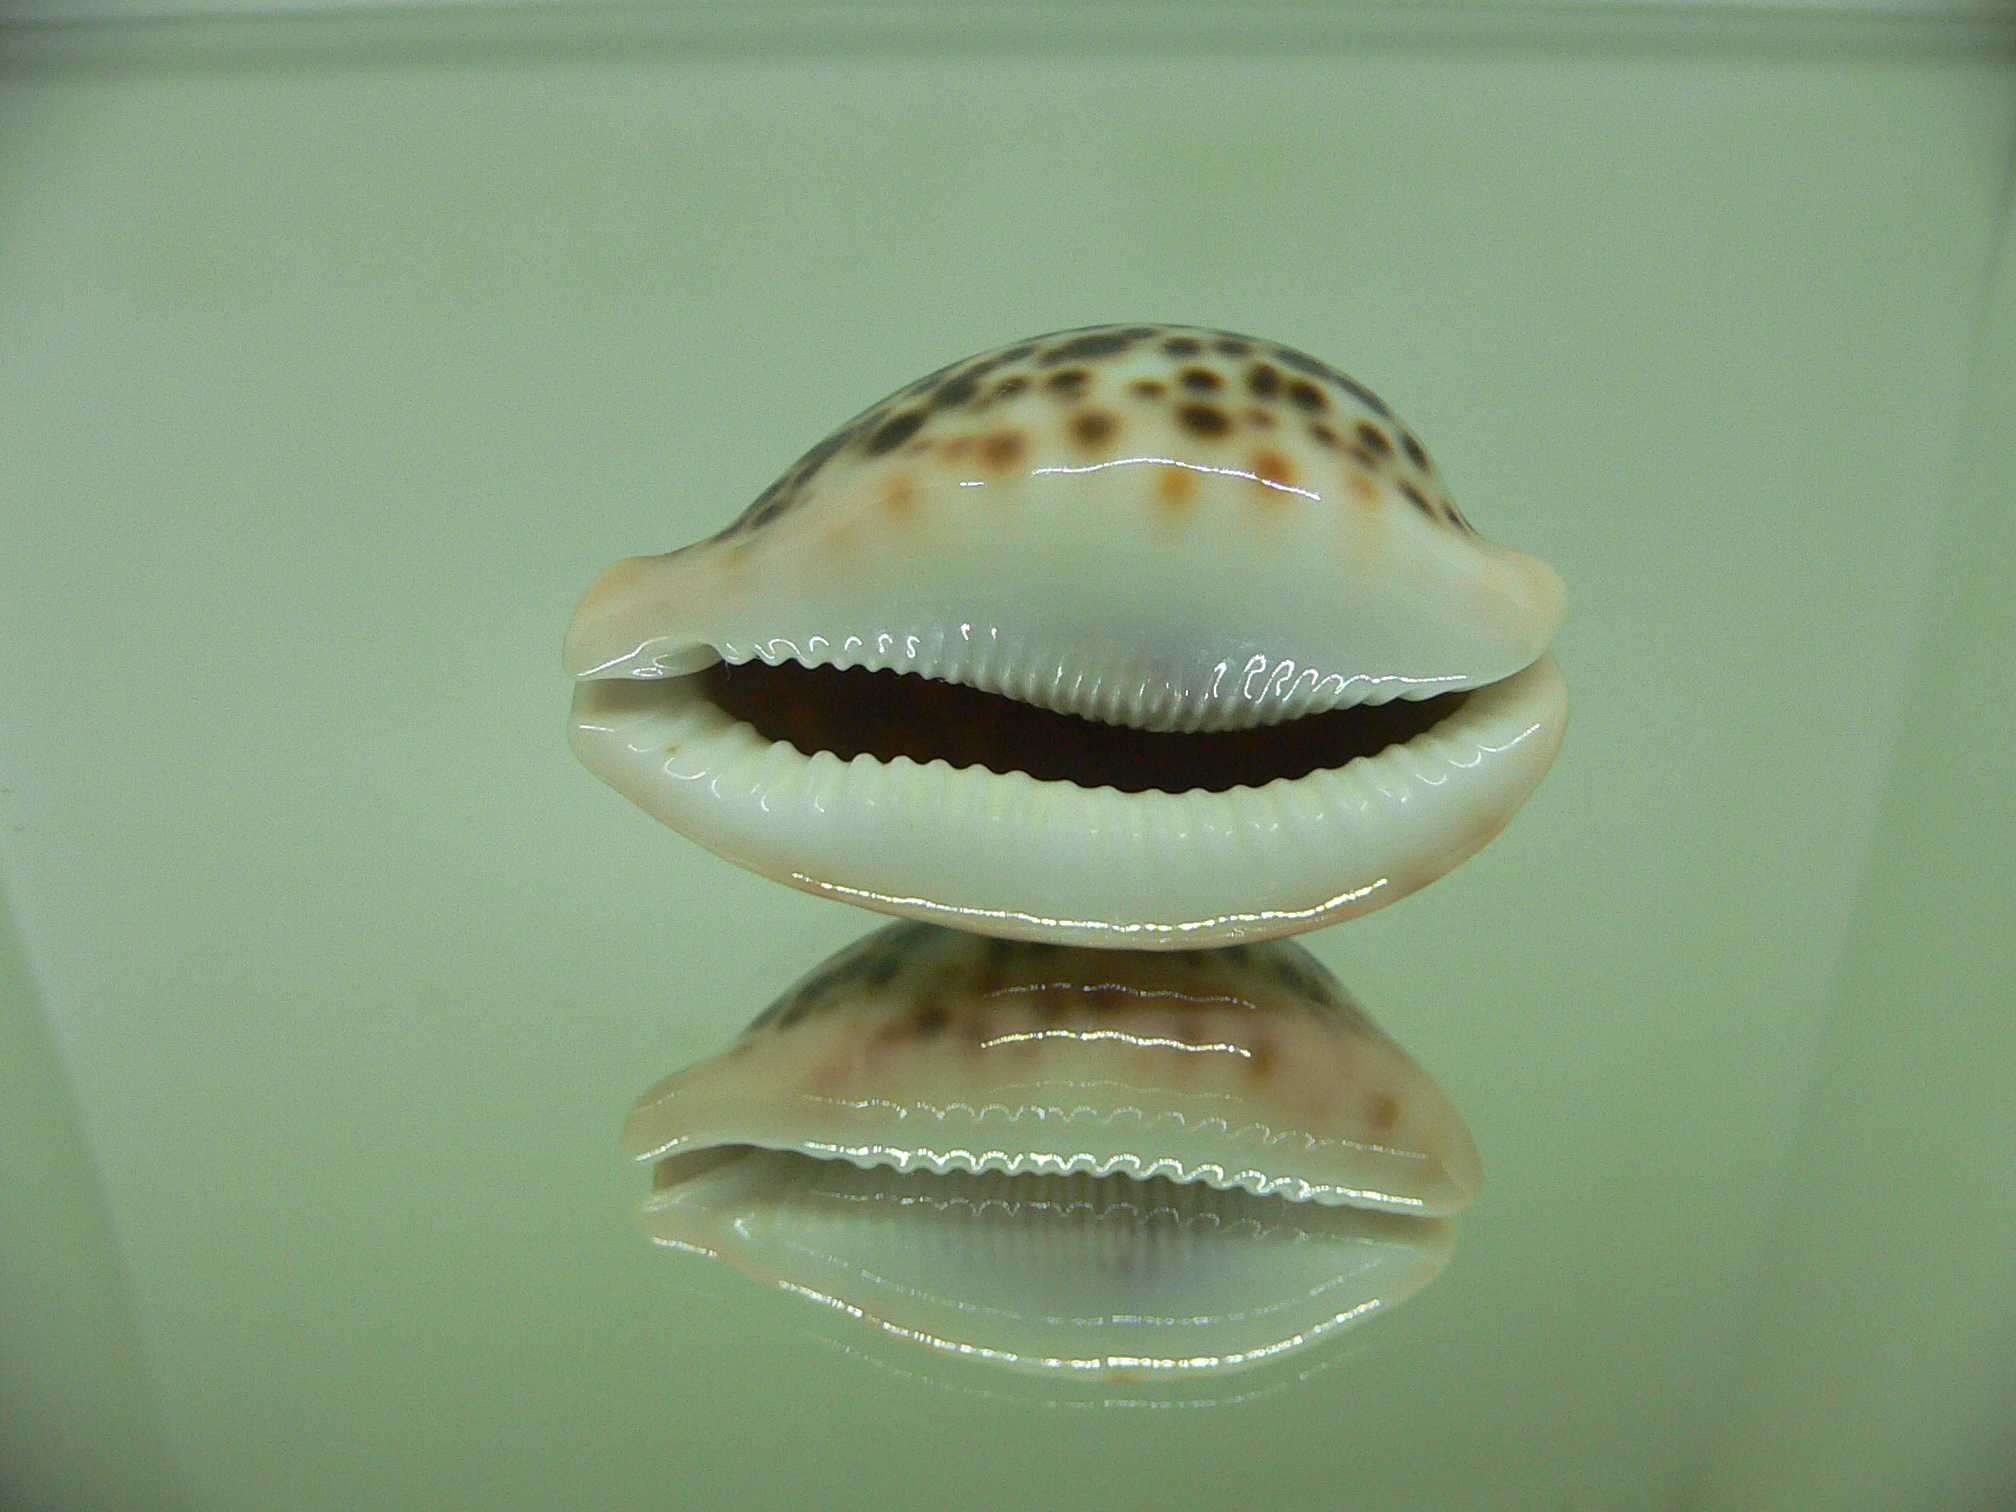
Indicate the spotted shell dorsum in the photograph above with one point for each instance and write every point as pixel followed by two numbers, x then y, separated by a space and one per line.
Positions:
pixel 1064 1159
pixel 1138 636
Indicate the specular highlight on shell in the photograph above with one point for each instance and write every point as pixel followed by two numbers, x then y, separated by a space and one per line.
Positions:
pixel 1140 636
pixel 1063 1160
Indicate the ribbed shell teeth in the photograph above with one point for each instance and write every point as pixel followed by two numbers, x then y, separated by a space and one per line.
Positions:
pixel 1212 1175
pixel 1006 854
pixel 1107 685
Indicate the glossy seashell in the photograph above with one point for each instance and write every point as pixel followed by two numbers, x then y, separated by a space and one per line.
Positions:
pixel 1065 1160
pixel 1140 636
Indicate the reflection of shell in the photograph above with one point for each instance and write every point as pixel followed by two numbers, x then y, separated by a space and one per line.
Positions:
pixel 1138 636
pixel 1065 1159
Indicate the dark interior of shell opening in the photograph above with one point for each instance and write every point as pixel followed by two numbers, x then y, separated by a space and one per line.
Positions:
pixel 850 711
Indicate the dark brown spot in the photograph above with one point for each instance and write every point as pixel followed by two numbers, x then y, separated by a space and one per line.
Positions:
pixel 1323 434
pixel 1146 388
pixel 1414 497
pixel 929 1018
pixel 956 391
pixel 1200 380
pixel 1182 346
pixel 1271 467
pixel 1068 384
pixel 1383 1112
pixel 894 433
pixel 1174 487
pixel 1264 380
pixel 1203 420
pixel 1413 449
pixel 1002 449
pixel 1259 419
pixel 1013 384
pixel 1373 439
pixel 1302 362
pixel 1261 1057
pixel 809 997
pixel 1093 427
pixel 876 967
pixel 1084 348
pixel 1306 395
pixel 1232 346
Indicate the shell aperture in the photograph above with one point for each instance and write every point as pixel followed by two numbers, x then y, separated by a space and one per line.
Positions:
pixel 1063 1160
pixel 1139 636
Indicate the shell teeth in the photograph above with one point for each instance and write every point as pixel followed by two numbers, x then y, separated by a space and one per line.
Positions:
pixel 1014 856
pixel 1109 686
pixel 1029 1163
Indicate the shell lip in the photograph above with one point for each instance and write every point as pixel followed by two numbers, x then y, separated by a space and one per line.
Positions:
pixel 657 656
pixel 1152 869
pixel 1095 1284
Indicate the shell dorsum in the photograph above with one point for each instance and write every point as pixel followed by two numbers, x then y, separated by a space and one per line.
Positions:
pixel 1065 1159
pixel 1146 636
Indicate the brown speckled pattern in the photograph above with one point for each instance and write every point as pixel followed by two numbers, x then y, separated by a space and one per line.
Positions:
pixel 1227 401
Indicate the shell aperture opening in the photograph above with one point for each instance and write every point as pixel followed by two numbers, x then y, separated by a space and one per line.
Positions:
pixel 886 714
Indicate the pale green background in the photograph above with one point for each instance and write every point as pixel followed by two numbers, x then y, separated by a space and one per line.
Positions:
pixel 337 356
